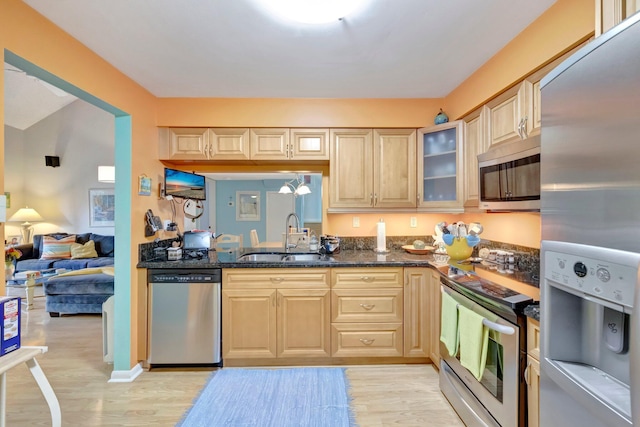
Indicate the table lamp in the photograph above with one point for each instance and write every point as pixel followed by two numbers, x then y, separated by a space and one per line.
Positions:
pixel 26 215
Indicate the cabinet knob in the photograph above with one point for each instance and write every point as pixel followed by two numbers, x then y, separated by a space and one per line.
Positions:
pixel 277 279
pixel 367 278
pixel 367 306
pixel 366 341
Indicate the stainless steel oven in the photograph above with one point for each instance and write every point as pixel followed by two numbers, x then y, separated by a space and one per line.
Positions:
pixel 499 397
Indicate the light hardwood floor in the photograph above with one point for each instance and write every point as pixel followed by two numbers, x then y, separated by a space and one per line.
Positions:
pixel 382 395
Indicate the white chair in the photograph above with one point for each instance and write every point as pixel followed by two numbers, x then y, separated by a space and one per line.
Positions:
pixel 229 241
pixel 254 238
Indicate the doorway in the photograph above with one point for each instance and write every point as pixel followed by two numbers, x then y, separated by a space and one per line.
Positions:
pixel 278 207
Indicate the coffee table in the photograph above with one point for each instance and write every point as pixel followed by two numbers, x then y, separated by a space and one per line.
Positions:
pixel 30 282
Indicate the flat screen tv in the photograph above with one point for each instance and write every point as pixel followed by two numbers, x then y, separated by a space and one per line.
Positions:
pixel 185 185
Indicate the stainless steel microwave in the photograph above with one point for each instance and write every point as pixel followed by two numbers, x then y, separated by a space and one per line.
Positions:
pixel 510 176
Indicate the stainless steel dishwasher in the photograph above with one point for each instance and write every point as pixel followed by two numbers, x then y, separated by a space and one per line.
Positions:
pixel 184 316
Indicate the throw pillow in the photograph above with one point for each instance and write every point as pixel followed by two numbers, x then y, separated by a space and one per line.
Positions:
pixel 53 248
pixel 88 250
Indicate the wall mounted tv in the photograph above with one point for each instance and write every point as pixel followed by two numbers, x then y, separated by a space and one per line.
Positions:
pixel 184 184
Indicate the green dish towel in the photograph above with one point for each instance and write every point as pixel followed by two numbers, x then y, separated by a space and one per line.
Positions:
pixel 449 323
pixel 474 340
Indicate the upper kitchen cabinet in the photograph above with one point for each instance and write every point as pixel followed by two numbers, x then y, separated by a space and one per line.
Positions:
pixel 511 114
pixel 372 168
pixel 204 144
pixel 475 142
pixel 610 13
pixel 184 143
pixel 309 144
pixel 229 143
pixel 289 144
pixel 440 167
pixel 270 144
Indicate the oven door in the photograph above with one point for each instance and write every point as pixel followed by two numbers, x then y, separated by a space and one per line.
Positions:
pixel 494 400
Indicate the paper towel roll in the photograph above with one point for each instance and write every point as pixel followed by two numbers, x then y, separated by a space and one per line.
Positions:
pixel 382 238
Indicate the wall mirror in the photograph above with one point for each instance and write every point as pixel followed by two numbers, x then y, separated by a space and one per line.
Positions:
pixel 226 190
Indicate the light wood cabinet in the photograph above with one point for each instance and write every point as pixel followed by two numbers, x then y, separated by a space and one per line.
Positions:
pixel 229 143
pixel 183 143
pixel 417 312
pixel 440 167
pixel 262 144
pixel 610 13
pixel 511 114
pixel 309 144
pixel 276 313
pixel 372 168
pixel 270 144
pixel 532 373
pixel 367 312
pixel 475 142
pixel 435 297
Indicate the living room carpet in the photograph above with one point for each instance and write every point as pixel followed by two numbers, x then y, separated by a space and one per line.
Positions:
pixel 273 397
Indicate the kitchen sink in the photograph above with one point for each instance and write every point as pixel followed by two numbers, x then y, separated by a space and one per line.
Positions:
pixel 306 257
pixel 283 257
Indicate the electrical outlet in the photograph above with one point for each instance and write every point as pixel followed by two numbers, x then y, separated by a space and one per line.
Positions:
pixel 414 222
pixel 356 221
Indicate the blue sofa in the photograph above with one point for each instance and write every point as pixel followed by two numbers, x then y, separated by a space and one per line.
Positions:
pixel 82 293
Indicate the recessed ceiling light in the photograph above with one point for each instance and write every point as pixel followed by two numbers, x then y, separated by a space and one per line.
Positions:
pixel 313 11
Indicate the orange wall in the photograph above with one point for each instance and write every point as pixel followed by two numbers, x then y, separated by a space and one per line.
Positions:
pixel 297 112
pixel 563 25
pixel 30 36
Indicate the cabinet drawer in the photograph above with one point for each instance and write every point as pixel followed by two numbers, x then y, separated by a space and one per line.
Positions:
pixel 367 278
pixel 533 338
pixel 366 339
pixel 360 305
pixel 281 278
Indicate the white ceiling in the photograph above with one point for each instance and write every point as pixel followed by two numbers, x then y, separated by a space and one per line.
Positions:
pixel 233 48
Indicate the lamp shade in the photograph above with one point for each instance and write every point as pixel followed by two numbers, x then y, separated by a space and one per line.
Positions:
pixel 107 174
pixel 302 190
pixel 25 215
pixel 285 189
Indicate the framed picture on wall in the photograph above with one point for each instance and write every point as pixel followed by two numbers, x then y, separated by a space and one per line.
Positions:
pixel 247 206
pixel 144 185
pixel 102 207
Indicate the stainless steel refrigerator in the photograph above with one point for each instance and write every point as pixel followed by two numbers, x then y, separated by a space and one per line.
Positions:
pixel 590 251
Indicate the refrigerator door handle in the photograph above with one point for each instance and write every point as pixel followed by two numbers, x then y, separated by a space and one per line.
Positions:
pixel 634 353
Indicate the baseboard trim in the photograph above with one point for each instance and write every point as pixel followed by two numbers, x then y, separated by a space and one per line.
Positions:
pixel 126 376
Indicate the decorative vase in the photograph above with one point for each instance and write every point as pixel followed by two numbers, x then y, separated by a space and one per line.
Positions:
pixel 9 269
pixel 441 118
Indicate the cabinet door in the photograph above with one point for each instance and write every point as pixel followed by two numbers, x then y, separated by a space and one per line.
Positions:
pixel 270 144
pixel 533 391
pixel 366 339
pixel 509 112
pixel 435 296
pixel 351 168
pixel 610 13
pixel 416 312
pixel 248 323
pixel 440 166
pixel 394 170
pixel 304 328
pixel 184 144
pixel 475 143
pixel 309 144
pixel 229 143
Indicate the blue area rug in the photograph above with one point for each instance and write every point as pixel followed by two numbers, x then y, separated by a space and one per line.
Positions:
pixel 273 398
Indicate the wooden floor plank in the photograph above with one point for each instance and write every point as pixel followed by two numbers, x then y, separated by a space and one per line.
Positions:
pixel 405 395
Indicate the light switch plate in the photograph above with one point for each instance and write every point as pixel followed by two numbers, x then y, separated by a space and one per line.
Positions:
pixel 414 222
pixel 356 221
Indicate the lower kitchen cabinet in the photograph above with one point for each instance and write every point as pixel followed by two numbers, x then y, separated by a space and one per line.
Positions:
pixel 416 312
pixel 532 373
pixel 367 312
pixel 275 313
pixel 435 297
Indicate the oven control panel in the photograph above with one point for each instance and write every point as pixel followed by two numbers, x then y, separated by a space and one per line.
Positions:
pixel 595 273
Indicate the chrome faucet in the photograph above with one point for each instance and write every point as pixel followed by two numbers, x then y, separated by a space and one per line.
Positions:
pixel 288 245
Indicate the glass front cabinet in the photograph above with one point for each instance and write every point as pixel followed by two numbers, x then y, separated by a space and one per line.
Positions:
pixel 440 167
